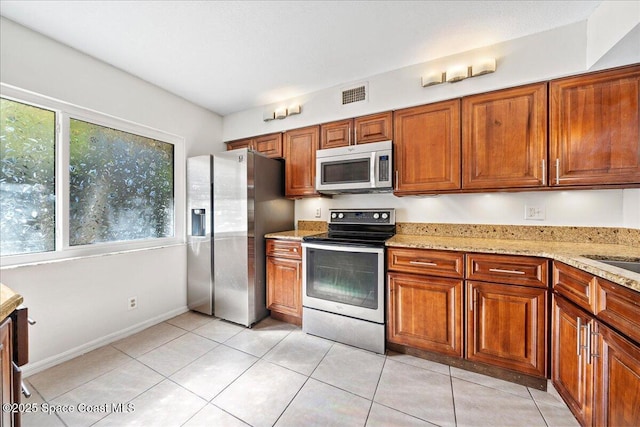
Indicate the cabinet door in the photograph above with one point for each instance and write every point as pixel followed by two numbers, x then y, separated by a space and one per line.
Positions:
pixel 269 145
pixel 427 148
pixel 300 147
pixel 373 128
pixel 506 326
pixel 504 138
pixel 617 391
pixel 336 134
pixel 240 143
pixel 284 283
pixel 5 370
pixel 570 374
pixel 425 312
pixel 595 128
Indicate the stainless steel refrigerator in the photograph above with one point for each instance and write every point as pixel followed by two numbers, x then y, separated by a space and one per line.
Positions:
pixel 246 202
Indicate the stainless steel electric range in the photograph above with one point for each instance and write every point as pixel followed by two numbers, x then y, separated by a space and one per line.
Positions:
pixel 343 278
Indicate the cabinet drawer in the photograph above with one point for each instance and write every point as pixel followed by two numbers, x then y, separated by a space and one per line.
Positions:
pixel 514 270
pixel 576 285
pixel 426 261
pixel 284 249
pixel 619 307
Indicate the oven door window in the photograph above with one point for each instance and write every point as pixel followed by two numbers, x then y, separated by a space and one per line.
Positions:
pixel 346 171
pixel 343 277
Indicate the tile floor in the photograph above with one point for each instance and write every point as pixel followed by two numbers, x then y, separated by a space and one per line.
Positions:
pixel 194 370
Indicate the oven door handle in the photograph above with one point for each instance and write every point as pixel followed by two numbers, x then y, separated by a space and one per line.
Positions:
pixel 343 248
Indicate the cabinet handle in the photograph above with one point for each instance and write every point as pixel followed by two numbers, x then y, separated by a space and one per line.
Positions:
pixel 25 391
pixel 499 270
pixel 432 264
pixel 557 171
pixel 591 337
pixel 295 249
pixel 471 302
pixel 396 186
pixel 349 134
pixel 587 346
pixel 578 335
pixel 355 135
pixel 544 172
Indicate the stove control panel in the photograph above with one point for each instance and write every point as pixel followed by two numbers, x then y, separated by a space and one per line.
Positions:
pixel 362 216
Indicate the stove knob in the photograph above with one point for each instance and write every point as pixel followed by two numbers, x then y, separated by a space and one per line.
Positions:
pixel 340 215
pixel 376 215
pixel 334 215
pixel 385 216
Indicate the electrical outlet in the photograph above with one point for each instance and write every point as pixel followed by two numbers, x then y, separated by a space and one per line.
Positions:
pixel 133 303
pixel 318 212
pixel 534 212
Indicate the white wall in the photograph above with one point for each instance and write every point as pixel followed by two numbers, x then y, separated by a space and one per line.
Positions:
pixel 556 53
pixel 81 303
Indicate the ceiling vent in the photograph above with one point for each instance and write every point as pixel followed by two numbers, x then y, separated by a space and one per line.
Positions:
pixel 357 93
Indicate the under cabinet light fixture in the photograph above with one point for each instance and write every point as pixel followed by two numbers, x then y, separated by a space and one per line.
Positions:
pixel 293 110
pixel 432 79
pixel 268 115
pixel 459 73
pixel 281 113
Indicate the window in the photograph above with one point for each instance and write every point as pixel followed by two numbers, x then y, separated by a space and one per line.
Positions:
pixel 27 178
pixel 120 185
pixel 75 182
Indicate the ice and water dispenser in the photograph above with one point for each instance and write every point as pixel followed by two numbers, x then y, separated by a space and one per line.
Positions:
pixel 198 223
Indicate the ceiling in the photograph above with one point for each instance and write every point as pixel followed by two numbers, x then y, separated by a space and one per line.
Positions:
pixel 229 56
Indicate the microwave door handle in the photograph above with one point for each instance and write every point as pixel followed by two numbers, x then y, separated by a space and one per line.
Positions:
pixel 374 170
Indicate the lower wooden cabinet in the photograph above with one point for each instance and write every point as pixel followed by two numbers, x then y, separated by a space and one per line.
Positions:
pixel 617 382
pixel 506 326
pixel 596 368
pixel 6 370
pixel 425 312
pixel 284 280
pixel 570 373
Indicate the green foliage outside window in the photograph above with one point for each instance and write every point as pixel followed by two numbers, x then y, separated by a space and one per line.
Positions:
pixel 121 185
pixel 27 178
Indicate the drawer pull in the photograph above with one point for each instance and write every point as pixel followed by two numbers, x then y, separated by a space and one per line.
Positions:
pixel 499 270
pixel 430 264
pixel 295 249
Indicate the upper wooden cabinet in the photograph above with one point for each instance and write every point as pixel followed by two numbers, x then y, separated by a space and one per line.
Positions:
pixel 270 145
pixel 594 136
pixel 504 138
pixel 427 148
pixel 361 130
pixel 300 147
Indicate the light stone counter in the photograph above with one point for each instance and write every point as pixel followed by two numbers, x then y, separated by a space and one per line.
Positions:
pixel 291 234
pixel 9 301
pixel 570 253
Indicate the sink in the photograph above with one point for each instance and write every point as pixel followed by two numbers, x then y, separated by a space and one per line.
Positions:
pixel 626 265
pixel 633 265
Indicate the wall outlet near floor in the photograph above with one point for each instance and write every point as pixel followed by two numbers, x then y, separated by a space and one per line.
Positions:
pixel 133 303
pixel 534 212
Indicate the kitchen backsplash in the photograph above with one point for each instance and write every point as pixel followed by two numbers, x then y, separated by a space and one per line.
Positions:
pixel 599 235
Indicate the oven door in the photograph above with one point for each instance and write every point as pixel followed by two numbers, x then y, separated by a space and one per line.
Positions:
pixel 342 279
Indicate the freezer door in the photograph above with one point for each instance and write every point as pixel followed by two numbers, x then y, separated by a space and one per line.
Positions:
pixel 199 232
pixel 233 213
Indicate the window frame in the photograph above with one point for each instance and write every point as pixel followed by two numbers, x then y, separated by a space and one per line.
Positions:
pixel 64 112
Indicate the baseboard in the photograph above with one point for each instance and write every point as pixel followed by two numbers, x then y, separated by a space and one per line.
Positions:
pixel 41 365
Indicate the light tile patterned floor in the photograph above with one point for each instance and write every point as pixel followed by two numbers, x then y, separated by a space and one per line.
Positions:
pixel 195 370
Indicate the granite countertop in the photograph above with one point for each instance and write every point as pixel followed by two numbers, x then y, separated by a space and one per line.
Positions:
pixel 9 301
pixel 292 234
pixel 570 253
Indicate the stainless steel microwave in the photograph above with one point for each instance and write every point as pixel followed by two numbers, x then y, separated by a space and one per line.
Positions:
pixel 363 168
